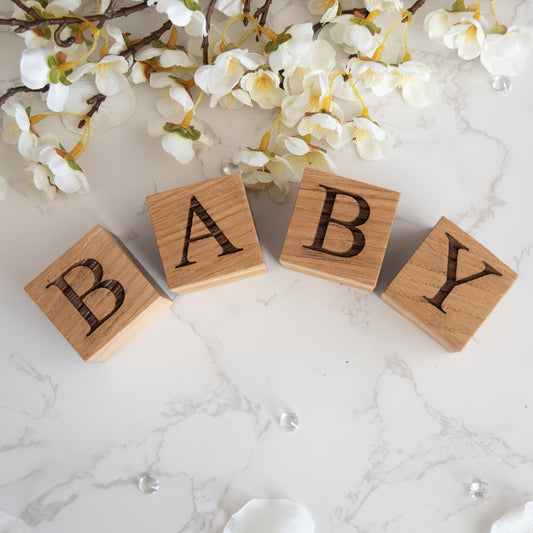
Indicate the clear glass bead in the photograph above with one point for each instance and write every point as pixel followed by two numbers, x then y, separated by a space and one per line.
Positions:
pixel 230 168
pixel 147 483
pixel 501 84
pixel 289 421
pixel 479 490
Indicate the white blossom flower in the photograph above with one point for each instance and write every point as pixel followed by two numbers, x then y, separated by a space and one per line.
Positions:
pixel 467 36
pixel 327 8
pixel 109 74
pixel 371 140
pixel 42 178
pixel 325 126
pixel 3 188
pixel 370 5
pixel 17 128
pixel 120 44
pixel 65 173
pixel 142 67
pixel 184 14
pixel 438 23
pixel 302 154
pixel 39 67
pixel 225 73
pixel 230 8
pixel 415 81
pixel 175 101
pixel 353 36
pixel 507 54
pixel 235 99
pixel 181 142
pixel 38 37
pixel 372 75
pixel 265 170
pixel 112 110
pixel 263 87
pixel 315 87
pixel 176 58
pixel 300 54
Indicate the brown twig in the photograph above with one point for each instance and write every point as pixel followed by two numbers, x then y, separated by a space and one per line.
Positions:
pixel 246 9
pixel 65 43
pixel 205 40
pixel 25 25
pixel 29 10
pixel 262 12
pixel 135 47
pixel 94 101
pixel 20 89
pixel 416 6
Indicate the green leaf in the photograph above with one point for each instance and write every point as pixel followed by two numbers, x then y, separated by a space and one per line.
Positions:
pixel 72 164
pixel 46 32
pixel 28 111
pixel 189 133
pixel 370 26
pixel 53 76
pixel 64 80
pixel 272 46
pixel 51 61
pixel 157 43
pixel 339 10
pixel 192 5
pixel 459 5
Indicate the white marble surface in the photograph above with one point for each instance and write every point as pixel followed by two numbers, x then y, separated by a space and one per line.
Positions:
pixel 393 428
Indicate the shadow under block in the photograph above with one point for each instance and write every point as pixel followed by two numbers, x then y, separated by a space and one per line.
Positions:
pixel 449 286
pixel 339 229
pixel 206 234
pixel 98 296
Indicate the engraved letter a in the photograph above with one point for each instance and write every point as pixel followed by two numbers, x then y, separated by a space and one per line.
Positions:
pixel 77 299
pixel 214 231
pixel 451 276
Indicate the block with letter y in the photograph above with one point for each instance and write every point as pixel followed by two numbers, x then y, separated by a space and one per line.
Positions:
pixel 339 229
pixel 97 295
pixel 206 234
pixel 449 286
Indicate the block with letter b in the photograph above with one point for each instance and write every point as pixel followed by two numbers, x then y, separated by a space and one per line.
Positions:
pixel 97 295
pixel 206 234
pixel 449 286
pixel 339 229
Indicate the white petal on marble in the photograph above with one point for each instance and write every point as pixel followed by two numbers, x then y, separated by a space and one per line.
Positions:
pixel 518 520
pixel 271 516
pixel 10 524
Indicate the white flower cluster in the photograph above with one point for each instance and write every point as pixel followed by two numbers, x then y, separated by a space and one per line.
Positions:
pixel 314 78
pixel 474 33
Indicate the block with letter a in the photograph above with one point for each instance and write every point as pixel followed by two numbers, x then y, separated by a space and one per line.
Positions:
pixel 449 285
pixel 206 234
pixel 339 229
pixel 98 296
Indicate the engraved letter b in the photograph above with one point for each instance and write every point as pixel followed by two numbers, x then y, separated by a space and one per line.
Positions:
pixel 77 299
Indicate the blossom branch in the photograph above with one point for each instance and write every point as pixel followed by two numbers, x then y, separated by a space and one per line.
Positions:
pixel 25 25
pixel 94 101
pixel 205 40
pixel 416 6
pixel 136 46
pixel 29 10
pixel 262 12
pixel 20 89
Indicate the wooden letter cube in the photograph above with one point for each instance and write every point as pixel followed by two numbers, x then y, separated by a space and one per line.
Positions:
pixel 206 234
pixel 339 229
pixel 449 286
pixel 98 296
